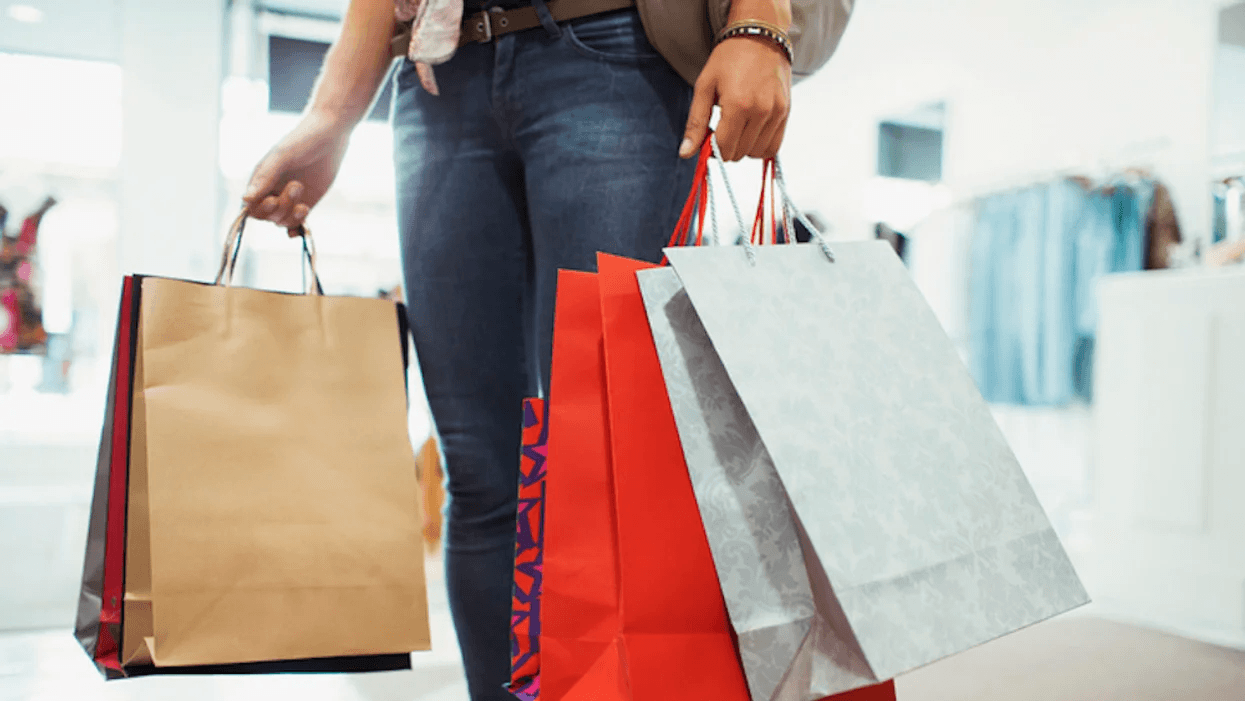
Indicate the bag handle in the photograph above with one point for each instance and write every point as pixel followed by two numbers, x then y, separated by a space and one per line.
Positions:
pixel 757 236
pixel 771 173
pixel 789 209
pixel 697 204
pixel 233 246
pixel 773 190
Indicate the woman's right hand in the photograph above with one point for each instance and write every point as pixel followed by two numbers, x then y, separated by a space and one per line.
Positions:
pixel 296 173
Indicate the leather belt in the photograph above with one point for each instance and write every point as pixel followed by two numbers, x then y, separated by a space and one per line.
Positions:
pixel 483 27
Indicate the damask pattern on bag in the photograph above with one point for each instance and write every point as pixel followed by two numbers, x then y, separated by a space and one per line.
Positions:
pixel 919 514
pixel 788 644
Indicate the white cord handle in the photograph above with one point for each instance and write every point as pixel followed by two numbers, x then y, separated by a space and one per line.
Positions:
pixel 789 206
pixel 730 192
pixel 788 209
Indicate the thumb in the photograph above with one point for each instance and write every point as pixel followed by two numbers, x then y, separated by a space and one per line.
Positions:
pixel 263 180
pixel 698 118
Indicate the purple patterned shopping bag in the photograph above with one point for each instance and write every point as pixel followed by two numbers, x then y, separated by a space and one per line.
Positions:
pixel 529 555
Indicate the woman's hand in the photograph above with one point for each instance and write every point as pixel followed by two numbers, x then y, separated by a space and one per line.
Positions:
pixel 296 173
pixel 750 79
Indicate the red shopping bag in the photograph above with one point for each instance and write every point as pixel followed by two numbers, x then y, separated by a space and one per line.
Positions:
pixel 631 606
pixel 678 635
pixel 581 649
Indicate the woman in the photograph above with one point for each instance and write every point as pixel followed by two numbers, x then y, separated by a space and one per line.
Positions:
pixel 542 147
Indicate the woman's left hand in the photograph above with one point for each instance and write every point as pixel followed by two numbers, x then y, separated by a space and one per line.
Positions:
pixel 750 78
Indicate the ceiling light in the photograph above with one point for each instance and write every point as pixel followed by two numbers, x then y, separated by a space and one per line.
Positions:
pixel 26 13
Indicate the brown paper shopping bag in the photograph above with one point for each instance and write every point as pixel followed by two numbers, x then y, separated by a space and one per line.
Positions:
pixel 272 506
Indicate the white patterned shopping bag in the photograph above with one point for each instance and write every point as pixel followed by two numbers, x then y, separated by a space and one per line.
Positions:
pixel 865 512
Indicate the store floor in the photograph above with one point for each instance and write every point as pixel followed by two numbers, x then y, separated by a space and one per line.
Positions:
pixel 1075 658
pixel 49 666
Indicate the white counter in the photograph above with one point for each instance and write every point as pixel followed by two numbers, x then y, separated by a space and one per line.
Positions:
pixel 1169 454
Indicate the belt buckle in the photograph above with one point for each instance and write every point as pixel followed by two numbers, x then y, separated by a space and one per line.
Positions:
pixel 484 24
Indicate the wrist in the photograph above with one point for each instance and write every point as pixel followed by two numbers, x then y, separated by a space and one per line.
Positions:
pixel 763 32
pixel 337 119
pixel 775 12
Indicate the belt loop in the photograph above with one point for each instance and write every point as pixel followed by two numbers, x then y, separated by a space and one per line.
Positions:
pixel 546 19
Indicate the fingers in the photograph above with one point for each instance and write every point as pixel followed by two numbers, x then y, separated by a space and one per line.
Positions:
pixel 286 201
pixel 771 140
pixel 771 113
pixel 749 125
pixel 698 117
pixel 754 128
pixel 730 130
pixel 297 230
pixel 263 182
pixel 283 209
pixel 264 201
pixel 295 221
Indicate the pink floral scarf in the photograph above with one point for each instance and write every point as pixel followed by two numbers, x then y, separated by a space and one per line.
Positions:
pixel 435 26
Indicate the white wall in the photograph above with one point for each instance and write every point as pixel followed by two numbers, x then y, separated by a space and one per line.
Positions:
pixel 173 61
pixel 167 173
pixel 1228 125
pixel 1031 87
pixel 1169 452
pixel 68 29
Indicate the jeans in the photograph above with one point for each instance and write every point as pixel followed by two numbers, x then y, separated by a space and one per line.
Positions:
pixel 540 151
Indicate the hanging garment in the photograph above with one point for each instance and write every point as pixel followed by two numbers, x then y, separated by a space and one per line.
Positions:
pixel 21 317
pixel 1162 229
pixel 1037 254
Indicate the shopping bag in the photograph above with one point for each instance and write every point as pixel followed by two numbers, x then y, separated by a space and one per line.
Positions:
pixel 786 648
pixel 98 623
pixel 678 637
pixel 581 653
pixel 789 645
pixel 683 595
pixel 631 608
pixel 529 545
pixel 608 577
pixel 866 513
pixel 256 504
pixel 624 617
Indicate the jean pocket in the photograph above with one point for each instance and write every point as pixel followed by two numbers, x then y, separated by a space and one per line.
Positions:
pixel 405 75
pixel 614 36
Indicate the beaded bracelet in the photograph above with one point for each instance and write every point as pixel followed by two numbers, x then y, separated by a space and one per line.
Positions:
pixel 764 30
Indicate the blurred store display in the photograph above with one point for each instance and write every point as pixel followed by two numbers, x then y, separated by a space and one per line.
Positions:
pixel 21 316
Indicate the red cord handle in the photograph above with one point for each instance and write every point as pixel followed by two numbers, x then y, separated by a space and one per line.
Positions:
pixel 697 202
pixel 769 176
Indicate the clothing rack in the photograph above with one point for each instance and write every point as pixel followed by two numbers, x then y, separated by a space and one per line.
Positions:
pixel 1135 159
pixel 1228 165
pixel 1092 179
